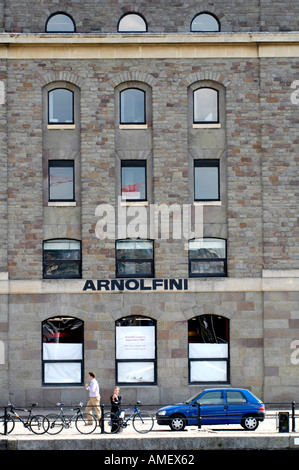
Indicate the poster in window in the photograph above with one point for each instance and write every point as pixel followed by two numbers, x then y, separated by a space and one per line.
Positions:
pixel 135 342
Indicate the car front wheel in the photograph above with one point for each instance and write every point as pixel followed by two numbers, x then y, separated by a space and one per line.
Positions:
pixel 250 423
pixel 177 423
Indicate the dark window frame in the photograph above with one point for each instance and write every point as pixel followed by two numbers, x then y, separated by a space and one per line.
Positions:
pixel 217 121
pixel 62 361
pixel 134 260
pixel 208 359
pixel 207 164
pixel 62 261
pixel 132 164
pixel 208 260
pixel 59 31
pixel 61 163
pixel 61 123
pixel 122 92
pixel 141 319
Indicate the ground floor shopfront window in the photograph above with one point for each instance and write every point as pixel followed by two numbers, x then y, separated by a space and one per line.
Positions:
pixel 136 362
pixel 208 343
pixel 62 351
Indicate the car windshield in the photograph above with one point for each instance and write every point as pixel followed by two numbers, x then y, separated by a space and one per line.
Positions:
pixel 193 398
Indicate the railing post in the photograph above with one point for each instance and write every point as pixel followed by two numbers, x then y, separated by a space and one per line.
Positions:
pixel 199 416
pixel 5 420
pixel 293 416
pixel 102 419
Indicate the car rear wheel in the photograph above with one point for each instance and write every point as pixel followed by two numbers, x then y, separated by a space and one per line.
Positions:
pixel 177 423
pixel 250 423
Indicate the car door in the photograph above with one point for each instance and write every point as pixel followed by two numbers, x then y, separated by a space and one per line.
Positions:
pixel 212 407
pixel 236 406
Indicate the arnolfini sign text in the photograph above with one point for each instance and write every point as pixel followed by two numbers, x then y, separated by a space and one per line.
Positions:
pixel 136 285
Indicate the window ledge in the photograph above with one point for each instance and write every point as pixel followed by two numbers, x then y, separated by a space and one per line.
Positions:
pixel 133 203
pixel 207 203
pixel 133 126
pixel 61 126
pixel 62 204
pixel 206 126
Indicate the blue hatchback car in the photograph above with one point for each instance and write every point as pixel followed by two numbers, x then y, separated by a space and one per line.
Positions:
pixel 217 406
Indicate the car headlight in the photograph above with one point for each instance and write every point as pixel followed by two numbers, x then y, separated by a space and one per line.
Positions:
pixel 161 413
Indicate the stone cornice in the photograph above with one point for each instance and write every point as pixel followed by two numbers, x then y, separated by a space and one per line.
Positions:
pixel 146 46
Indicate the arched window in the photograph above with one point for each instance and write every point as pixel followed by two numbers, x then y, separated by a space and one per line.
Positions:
pixel 60 106
pixel 205 105
pixel 205 23
pixel 207 257
pixel 62 259
pixel 132 106
pixel 62 351
pixel 60 23
pixel 208 344
pixel 132 23
pixel 135 339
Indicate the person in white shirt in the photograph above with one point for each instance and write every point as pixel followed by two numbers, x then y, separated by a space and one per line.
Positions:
pixel 94 396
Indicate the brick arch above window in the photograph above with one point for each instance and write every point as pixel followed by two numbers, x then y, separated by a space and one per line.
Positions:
pixel 133 76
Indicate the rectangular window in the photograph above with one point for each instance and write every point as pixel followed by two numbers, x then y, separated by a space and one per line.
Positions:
pixel 61 180
pixel 133 180
pixel 206 180
pixel 134 258
pixel 205 106
pixel 62 259
pixel 207 257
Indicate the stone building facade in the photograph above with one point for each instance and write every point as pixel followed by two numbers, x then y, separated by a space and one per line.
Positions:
pixel 133 314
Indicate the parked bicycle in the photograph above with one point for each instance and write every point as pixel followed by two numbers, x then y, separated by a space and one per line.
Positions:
pixel 38 424
pixel 142 421
pixel 85 422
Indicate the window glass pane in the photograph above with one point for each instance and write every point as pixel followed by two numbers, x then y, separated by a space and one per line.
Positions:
pixel 130 268
pixel 61 106
pixel 58 351
pixel 130 249
pixel 62 372
pixel 207 248
pixel 205 22
pixel 135 372
pixel 233 396
pixel 208 371
pixel 211 398
pixel 205 105
pixel 132 106
pixel 133 186
pixel 63 330
pixel 132 23
pixel 208 329
pixel 60 23
pixel 202 350
pixel 206 181
pixel 61 181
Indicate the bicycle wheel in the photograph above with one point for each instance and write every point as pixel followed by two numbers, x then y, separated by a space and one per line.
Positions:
pixel 143 422
pixel 39 424
pixel 10 424
pixel 110 423
pixel 85 423
pixel 55 424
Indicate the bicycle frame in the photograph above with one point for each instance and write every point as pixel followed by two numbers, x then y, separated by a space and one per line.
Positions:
pixel 123 421
pixel 13 409
pixel 67 421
